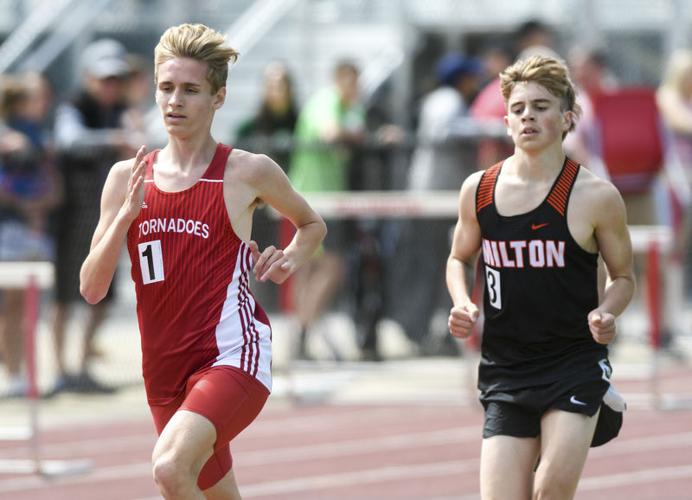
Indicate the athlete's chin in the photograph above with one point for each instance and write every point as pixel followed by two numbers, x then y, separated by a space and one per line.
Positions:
pixel 531 144
pixel 177 131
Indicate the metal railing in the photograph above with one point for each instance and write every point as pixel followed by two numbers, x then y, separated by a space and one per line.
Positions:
pixel 30 30
pixel 66 30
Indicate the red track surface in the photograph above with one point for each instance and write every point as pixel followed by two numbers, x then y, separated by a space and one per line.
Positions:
pixel 363 452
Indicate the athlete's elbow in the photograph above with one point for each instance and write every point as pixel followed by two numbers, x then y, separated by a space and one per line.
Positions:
pixel 91 291
pixel 322 227
pixel 91 294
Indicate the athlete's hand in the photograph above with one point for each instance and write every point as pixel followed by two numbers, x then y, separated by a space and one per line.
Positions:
pixel 602 326
pixel 271 264
pixel 135 186
pixel 462 319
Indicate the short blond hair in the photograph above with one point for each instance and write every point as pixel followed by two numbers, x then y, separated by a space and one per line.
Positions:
pixel 678 66
pixel 199 42
pixel 547 72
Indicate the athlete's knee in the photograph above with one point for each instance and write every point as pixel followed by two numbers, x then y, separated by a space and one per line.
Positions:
pixel 171 474
pixel 553 485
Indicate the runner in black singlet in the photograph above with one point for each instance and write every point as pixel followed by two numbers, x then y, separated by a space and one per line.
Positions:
pixel 540 222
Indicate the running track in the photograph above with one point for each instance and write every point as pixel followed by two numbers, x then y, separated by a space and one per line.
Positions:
pixel 373 451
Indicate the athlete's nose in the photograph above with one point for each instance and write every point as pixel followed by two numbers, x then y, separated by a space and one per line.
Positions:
pixel 176 99
pixel 527 115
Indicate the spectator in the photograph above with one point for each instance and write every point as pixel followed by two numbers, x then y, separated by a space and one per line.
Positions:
pixel 591 76
pixel 28 191
pixel 329 126
pixel 495 58
pixel 138 99
pixel 439 162
pixel 674 98
pixel 270 131
pixel 90 137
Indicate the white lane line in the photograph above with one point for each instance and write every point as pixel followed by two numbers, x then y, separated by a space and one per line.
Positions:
pixel 359 446
pixel 301 453
pixel 106 446
pixel 315 423
pixel 389 443
pixel 347 479
pixel 628 446
pixel 94 447
pixel 275 427
pixel 382 474
pixel 24 484
pixel 635 477
pixel 311 483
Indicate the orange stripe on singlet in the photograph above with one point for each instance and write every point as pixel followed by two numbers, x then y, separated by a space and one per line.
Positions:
pixel 484 195
pixel 560 193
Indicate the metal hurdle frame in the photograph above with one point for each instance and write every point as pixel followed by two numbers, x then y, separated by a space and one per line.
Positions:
pixel 32 276
pixel 656 242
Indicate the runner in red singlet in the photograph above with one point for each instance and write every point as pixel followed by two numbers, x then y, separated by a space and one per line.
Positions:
pixel 186 214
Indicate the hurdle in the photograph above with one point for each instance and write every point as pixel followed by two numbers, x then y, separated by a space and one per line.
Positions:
pixel 656 242
pixel 32 277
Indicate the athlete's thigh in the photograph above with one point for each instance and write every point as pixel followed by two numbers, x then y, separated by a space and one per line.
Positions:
pixel 188 437
pixel 229 398
pixel 225 489
pixel 507 464
pixel 565 441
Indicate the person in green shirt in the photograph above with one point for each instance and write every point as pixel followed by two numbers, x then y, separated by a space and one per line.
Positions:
pixel 330 125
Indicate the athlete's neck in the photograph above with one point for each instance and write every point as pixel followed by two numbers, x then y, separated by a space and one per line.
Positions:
pixel 540 166
pixel 188 154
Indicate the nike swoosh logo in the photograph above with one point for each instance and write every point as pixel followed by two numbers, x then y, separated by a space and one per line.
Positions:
pixel 575 401
pixel 538 226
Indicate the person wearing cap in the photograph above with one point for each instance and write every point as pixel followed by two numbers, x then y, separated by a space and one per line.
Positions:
pixel 440 161
pixel 89 137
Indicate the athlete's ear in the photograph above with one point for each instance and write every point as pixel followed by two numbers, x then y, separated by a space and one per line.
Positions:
pixel 506 121
pixel 568 118
pixel 219 98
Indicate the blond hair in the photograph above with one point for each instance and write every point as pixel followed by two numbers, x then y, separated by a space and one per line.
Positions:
pixel 678 66
pixel 547 72
pixel 199 42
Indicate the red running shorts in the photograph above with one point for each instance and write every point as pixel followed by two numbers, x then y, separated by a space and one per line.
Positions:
pixel 230 399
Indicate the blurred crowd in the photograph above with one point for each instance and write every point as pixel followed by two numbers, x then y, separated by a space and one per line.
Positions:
pixel 54 157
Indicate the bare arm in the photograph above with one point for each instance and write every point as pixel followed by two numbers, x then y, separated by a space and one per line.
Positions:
pixel 272 186
pixel 615 247
pixel 121 202
pixel 465 245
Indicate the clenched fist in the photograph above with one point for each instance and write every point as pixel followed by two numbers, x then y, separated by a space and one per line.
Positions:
pixel 602 326
pixel 461 320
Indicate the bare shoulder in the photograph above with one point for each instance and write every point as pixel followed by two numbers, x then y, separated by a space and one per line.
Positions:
pixel 470 184
pixel 467 195
pixel 122 168
pixel 598 197
pixel 120 173
pixel 250 168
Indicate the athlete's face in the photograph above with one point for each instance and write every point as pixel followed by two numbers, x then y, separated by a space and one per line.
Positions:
pixel 535 118
pixel 184 96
